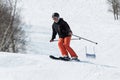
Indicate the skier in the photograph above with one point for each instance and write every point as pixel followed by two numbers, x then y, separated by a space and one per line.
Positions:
pixel 61 28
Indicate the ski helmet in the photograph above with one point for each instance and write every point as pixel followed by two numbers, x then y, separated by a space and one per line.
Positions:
pixel 55 15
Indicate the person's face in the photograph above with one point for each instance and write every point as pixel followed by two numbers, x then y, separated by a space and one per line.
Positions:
pixel 55 19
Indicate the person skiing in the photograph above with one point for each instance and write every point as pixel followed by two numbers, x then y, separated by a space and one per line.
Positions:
pixel 62 28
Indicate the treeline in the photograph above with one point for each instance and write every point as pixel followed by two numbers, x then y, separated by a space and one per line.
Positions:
pixel 12 35
pixel 115 8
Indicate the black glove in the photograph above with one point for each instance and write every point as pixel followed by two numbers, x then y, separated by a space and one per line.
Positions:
pixel 51 40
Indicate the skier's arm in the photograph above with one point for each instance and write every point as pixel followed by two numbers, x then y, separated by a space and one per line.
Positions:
pixel 67 28
pixel 54 33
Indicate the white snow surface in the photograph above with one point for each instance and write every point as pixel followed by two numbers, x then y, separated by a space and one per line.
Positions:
pixel 40 67
pixel 87 18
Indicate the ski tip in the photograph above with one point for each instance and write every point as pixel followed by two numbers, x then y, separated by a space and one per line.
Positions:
pixel 50 55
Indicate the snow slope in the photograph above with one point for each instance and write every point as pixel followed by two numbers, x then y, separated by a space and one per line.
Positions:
pixel 38 67
pixel 87 18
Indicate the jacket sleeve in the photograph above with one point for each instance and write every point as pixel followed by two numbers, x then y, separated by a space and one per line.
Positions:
pixel 54 33
pixel 67 27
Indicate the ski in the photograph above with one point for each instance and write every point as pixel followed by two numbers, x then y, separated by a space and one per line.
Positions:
pixel 58 58
pixel 63 59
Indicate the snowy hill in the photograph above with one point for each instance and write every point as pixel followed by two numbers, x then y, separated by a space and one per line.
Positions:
pixel 40 67
pixel 87 18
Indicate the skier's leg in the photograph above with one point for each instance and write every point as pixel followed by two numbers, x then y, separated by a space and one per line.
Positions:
pixel 69 49
pixel 62 48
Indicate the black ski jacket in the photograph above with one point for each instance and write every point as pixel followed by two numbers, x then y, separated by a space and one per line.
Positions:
pixel 62 28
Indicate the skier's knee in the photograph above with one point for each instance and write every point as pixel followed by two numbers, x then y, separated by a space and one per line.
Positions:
pixel 66 45
pixel 60 43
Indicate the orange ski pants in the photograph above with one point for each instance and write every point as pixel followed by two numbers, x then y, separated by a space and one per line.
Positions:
pixel 64 46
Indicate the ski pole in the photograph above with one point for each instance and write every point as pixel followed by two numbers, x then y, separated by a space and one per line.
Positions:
pixel 71 39
pixel 85 39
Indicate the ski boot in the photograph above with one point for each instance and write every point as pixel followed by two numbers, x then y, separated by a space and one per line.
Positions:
pixel 75 59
